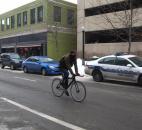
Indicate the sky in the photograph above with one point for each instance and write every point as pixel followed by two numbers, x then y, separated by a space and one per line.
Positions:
pixel 6 5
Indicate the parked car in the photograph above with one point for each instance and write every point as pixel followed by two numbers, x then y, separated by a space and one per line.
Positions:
pixel 121 67
pixel 41 64
pixel 12 60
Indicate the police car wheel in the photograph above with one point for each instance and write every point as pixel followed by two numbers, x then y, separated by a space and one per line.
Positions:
pixel 97 76
pixel 140 81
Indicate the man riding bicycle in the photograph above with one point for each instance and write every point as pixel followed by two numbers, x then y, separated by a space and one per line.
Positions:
pixel 66 63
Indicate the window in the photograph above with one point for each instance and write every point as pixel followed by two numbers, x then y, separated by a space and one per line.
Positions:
pixel 121 62
pixel 137 61
pixel 40 14
pixel 30 60
pixel 33 60
pixel 2 24
pixel 108 60
pixel 25 18
pixel 70 17
pixel 19 20
pixel 32 14
pixel 12 21
pixel 57 14
pixel 113 35
pixel 114 7
pixel 7 23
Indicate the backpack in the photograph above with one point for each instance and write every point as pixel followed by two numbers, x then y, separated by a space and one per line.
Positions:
pixel 62 62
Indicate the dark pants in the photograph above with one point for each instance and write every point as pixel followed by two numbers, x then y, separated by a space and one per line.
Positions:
pixel 65 78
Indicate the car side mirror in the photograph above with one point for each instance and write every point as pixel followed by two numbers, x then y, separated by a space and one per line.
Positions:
pixel 129 65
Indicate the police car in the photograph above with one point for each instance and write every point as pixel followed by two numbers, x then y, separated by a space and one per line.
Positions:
pixel 121 67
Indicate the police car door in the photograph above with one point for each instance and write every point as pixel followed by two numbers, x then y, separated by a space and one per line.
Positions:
pixel 124 72
pixel 107 67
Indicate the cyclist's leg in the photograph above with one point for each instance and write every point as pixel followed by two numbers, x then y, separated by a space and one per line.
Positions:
pixel 65 78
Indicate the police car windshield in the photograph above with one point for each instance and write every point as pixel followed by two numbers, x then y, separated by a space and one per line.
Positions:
pixel 137 61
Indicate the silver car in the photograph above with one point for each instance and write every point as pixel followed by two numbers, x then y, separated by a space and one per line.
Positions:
pixel 126 68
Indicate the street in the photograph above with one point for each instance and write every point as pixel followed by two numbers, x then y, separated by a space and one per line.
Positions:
pixel 27 103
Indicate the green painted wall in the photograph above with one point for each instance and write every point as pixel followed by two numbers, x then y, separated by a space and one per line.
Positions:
pixel 65 43
pixel 61 42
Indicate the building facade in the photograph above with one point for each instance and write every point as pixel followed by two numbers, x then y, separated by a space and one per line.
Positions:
pixel 43 27
pixel 110 26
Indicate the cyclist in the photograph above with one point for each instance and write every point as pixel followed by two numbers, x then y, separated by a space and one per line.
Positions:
pixel 66 63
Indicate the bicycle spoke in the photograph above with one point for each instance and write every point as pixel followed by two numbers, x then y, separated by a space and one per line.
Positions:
pixel 78 91
pixel 57 88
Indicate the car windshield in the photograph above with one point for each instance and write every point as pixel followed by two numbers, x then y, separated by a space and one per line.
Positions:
pixel 15 56
pixel 137 61
pixel 45 59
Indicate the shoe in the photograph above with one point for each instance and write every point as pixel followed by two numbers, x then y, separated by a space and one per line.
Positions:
pixel 67 93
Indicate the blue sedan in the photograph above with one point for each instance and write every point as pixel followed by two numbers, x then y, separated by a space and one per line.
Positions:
pixel 41 64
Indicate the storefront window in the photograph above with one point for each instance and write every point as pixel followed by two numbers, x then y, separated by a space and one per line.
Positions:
pixel 70 17
pixel 57 14
pixel 7 23
pixel 12 21
pixel 25 18
pixel 19 20
pixel 2 24
pixel 40 13
pixel 33 18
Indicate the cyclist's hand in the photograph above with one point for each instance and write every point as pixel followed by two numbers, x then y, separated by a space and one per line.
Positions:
pixel 73 75
pixel 77 74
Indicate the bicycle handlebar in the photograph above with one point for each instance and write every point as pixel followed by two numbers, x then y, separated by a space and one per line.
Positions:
pixel 76 76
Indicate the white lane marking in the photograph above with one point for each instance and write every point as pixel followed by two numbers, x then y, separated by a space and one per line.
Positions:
pixel 25 79
pixel 58 121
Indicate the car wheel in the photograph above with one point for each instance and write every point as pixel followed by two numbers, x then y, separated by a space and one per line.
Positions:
pixel 2 66
pixel 140 81
pixel 25 70
pixel 97 76
pixel 12 67
pixel 43 72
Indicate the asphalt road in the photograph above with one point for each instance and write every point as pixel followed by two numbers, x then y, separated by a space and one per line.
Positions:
pixel 27 103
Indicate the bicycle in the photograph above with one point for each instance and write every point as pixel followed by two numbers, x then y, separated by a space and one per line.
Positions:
pixel 77 88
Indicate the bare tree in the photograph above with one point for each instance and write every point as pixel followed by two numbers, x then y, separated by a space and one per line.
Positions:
pixel 123 14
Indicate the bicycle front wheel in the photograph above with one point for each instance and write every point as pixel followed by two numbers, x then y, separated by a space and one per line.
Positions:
pixel 57 88
pixel 78 91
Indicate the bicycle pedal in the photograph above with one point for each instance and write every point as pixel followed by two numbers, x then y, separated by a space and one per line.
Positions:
pixel 67 93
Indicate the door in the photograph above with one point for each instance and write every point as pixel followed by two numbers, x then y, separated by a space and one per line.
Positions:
pixel 125 70
pixel 35 65
pixel 107 67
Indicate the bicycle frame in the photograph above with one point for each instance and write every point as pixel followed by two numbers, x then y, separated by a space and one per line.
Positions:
pixel 73 80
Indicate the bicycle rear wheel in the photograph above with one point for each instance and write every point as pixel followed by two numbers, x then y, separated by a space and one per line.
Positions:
pixel 57 88
pixel 78 91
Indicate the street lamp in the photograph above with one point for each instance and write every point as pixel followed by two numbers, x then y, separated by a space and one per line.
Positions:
pixel 83 44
